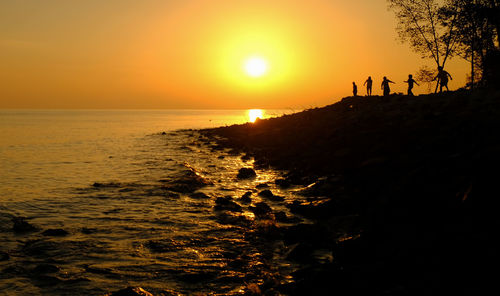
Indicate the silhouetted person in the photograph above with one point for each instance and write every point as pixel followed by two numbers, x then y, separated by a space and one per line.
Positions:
pixel 385 86
pixel 354 89
pixel 410 82
pixel 368 83
pixel 443 78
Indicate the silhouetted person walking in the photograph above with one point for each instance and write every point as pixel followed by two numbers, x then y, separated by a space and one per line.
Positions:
pixel 385 86
pixel 442 77
pixel 410 82
pixel 368 84
pixel 354 89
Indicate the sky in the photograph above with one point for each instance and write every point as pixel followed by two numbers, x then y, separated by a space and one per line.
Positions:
pixel 191 54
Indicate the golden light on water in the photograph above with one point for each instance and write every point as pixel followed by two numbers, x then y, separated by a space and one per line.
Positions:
pixel 253 114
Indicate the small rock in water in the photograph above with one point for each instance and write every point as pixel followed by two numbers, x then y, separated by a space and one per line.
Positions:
pixel 283 183
pixel 4 256
pixel 55 232
pixel 221 157
pixel 199 195
pixel 261 209
pixel 246 197
pixel 131 291
pixel 20 225
pixel 269 195
pixel 246 173
pixel 226 203
pixel 45 268
pixel 263 185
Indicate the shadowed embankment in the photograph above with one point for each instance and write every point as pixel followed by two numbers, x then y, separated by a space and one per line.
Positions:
pixel 411 182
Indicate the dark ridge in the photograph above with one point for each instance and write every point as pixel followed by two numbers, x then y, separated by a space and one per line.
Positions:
pixel 418 173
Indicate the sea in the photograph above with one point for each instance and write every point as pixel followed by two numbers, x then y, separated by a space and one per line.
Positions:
pixel 92 185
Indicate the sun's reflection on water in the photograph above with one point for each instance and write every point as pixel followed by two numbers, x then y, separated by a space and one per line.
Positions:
pixel 253 114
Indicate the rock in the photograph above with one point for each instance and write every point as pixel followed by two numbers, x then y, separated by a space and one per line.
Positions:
pixel 313 209
pixel 261 209
pixel 221 157
pixel 55 232
pixel 246 197
pixel 226 204
pixel 246 157
pixel 131 291
pixel 261 186
pixel 4 256
pixel 45 268
pixel 20 225
pixel 283 183
pixel 188 183
pixel 269 195
pixel 246 173
pixel 282 217
pixel 199 195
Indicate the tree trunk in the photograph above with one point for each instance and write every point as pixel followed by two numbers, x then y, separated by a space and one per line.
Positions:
pixel 472 68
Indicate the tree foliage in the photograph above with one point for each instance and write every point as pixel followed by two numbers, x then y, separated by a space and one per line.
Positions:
pixel 420 24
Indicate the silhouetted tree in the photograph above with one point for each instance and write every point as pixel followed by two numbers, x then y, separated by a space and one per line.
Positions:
pixel 477 24
pixel 426 75
pixel 420 22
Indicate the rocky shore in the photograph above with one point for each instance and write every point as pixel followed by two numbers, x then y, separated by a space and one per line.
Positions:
pixel 402 191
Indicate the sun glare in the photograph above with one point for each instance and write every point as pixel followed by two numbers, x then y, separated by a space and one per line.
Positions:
pixel 253 114
pixel 256 66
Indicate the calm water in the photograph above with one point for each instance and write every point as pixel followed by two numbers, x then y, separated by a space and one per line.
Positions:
pixel 127 229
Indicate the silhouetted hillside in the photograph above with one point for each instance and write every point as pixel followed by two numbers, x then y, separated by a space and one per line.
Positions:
pixel 419 174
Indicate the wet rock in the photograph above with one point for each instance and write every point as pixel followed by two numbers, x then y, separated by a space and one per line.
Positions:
pixel 246 157
pixel 261 186
pixel 4 256
pixel 226 204
pixel 131 291
pixel 246 198
pixel 261 209
pixel 221 157
pixel 55 232
pixel 283 183
pixel 106 185
pixel 269 195
pixel 47 280
pixel 45 268
pixel 233 219
pixel 199 195
pixel 21 226
pixel 313 209
pixel 284 218
pixel 246 173
pixel 188 183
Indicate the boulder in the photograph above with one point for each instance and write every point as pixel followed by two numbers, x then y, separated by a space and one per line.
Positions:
pixel 55 232
pixel 269 195
pixel 226 204
pixel 199 195
pixel 246 173
pixel 261 209
pixel 189 182
pixel 246 198
pixel 20 225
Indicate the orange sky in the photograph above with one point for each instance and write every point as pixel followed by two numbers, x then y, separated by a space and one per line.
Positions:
pixel 189 53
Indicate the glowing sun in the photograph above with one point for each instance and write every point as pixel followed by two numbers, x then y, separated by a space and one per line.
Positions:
pixel 255 66
pixel 253 114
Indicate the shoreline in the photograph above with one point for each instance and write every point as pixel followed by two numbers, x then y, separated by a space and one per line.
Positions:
pixel 405 179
